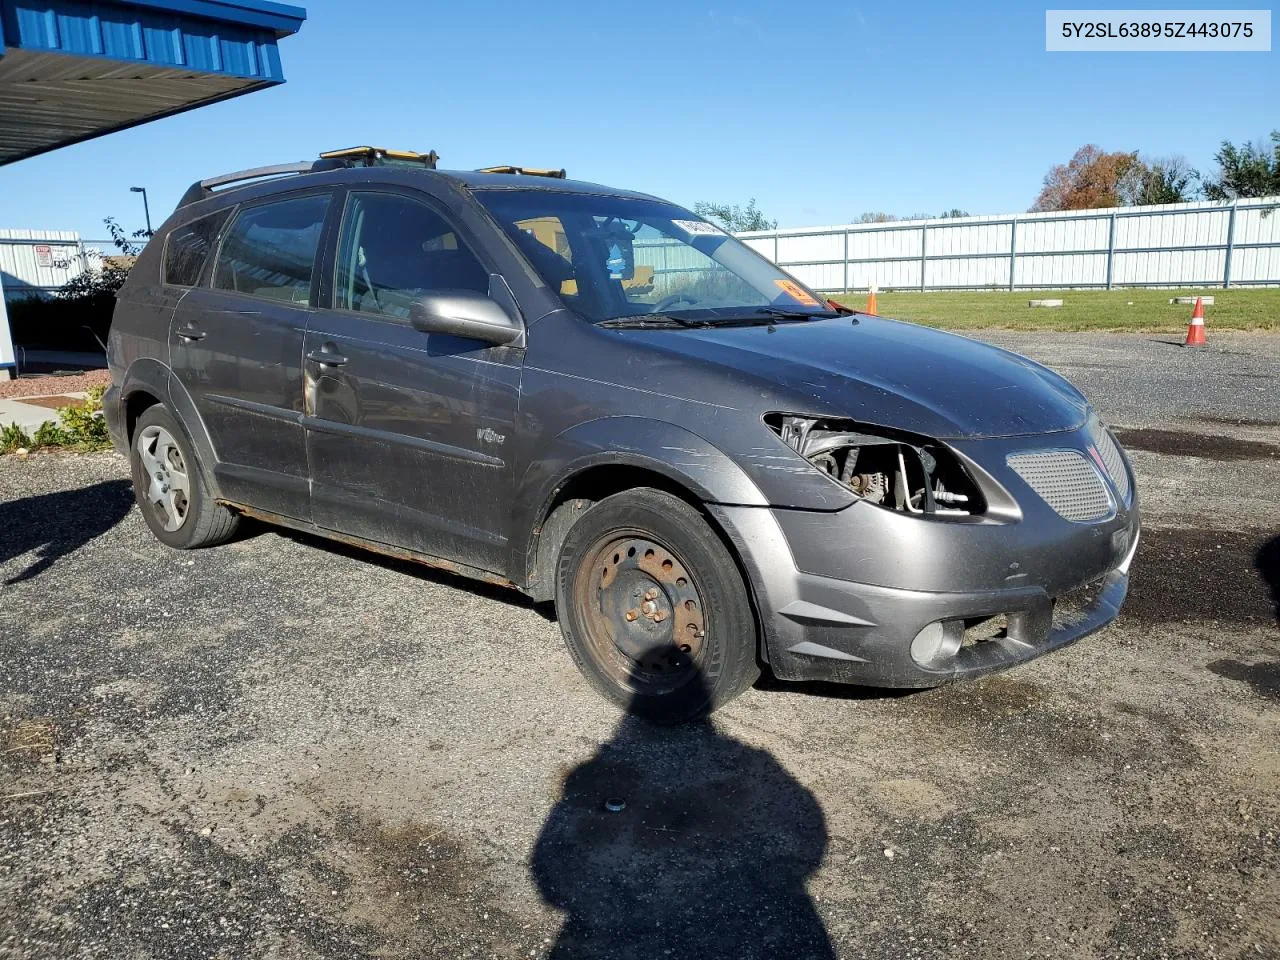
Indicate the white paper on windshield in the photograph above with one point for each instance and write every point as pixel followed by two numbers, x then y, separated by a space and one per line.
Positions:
pixel 698 227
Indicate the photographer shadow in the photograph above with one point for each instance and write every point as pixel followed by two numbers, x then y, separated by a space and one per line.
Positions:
pixel 707 857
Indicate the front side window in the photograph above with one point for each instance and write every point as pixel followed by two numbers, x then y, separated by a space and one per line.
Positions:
pixel 270 250
pixel 611 257
pixel 188 246
pixel 394 250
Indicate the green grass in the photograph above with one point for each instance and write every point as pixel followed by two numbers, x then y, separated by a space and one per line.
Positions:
pixel 1133 310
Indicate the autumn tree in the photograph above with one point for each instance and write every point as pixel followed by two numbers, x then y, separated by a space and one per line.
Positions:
pixel 1092 178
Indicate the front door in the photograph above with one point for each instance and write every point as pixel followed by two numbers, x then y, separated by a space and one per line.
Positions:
pixel 408 433
pixel 236 345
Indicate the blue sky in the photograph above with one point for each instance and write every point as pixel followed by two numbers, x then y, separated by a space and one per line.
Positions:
pixel 821 110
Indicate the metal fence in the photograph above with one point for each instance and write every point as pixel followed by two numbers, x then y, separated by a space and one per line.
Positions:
pixel 1167 245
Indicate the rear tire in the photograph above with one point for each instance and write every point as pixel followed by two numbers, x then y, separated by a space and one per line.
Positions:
pixel 653 608
pixel 168 484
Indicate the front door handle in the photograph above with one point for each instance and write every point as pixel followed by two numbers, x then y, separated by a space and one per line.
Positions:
pixel 326 358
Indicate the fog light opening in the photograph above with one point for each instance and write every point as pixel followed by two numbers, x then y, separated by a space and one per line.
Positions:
pixel 937 643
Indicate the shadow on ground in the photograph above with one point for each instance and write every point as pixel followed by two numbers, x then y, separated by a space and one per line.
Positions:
pixel 707 857
pixel 56 524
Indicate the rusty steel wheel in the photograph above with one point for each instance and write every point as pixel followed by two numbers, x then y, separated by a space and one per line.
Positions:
pixel 653 608
pixel 643 609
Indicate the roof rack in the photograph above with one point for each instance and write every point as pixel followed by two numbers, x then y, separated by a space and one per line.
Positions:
pixel 330 160
pixel 524 171
pixel 205 188
pixel 375 156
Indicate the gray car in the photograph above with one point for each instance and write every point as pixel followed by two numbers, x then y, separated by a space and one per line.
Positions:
pixel 598 398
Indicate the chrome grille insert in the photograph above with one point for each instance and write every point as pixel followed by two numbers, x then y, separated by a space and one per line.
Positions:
pixel 1109 450
pixel 1067 481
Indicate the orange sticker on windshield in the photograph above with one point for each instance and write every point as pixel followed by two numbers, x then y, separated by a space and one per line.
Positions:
pixel 796 292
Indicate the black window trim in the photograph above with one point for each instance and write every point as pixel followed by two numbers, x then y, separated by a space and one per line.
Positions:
pixel 231 213
pixel 313 295
pixel 406 193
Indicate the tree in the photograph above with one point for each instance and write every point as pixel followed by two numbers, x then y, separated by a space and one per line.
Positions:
pixel 734 218
pixel 1166 180
pixel 1092 178
pixel 875 218
pixel 1250 170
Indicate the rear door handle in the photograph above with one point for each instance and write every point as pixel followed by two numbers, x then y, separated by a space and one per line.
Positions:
pixel 326 358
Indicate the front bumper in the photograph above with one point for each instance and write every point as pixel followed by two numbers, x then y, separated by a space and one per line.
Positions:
pixel 843 596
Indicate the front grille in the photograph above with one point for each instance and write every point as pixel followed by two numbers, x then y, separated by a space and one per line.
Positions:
pixel 1109 450
pixel 1066 480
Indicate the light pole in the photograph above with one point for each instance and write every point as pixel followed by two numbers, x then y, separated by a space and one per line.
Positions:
pixel 146 208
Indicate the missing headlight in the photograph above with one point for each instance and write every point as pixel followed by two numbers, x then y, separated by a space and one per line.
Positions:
pixel 895 470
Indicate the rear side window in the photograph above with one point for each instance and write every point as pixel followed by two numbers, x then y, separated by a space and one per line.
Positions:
pixel 188 246
pixel 270 250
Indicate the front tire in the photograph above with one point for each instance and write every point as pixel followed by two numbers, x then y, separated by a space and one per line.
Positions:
pixel 169 486
pixel 653 608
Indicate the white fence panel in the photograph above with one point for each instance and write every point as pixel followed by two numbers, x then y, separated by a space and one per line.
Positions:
pixel 1168 245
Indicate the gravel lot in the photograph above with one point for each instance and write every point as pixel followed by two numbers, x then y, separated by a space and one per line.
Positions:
pixel 283 748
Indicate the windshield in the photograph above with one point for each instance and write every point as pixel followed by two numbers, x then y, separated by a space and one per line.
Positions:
pixel 612 257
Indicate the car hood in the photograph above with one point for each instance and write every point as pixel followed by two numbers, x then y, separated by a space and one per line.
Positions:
pixel 890 373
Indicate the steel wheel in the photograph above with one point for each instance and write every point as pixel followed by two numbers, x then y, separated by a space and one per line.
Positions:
pixel 643 610
pixel 168 489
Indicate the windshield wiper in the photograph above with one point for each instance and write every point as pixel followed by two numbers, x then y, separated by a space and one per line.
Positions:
pixel 656 321
pixel 783 314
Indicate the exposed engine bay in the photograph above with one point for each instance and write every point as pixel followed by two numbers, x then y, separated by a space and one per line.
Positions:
pixel 899 472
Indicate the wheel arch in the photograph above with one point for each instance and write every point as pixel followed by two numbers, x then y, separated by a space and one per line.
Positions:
pixel 616 454
pixel 148 382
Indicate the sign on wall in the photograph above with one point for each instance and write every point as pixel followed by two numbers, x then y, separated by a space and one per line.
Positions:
pixel 44 255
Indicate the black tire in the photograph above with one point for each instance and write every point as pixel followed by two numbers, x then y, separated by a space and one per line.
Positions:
pixel 633 562
pixel 202 522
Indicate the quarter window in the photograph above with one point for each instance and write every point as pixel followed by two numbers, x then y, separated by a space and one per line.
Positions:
pixel 270 250
pixel 188 246
pixel 393 251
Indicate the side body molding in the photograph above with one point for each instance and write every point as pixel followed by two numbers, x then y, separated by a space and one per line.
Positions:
pixel 663 448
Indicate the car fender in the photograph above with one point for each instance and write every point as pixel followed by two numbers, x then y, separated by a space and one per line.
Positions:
pixel 663 448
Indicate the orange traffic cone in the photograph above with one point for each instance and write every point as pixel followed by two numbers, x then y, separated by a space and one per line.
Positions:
pixel 1195 329
pixel 871 302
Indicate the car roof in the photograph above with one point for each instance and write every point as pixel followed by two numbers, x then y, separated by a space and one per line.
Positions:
pixel 263 181
pixel 480 180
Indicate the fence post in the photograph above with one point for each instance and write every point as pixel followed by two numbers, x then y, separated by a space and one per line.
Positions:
pixel 1013 249
pixel 775 249
pixel 1111 249
pixel 1231 245
pixel 846 261
pixel 924 253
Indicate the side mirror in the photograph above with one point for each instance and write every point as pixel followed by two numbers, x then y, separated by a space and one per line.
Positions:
pixel 464 313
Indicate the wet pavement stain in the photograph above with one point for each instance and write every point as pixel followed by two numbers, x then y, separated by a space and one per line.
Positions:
pixel 1263 677
pixel 1189 574
pixel 1176 443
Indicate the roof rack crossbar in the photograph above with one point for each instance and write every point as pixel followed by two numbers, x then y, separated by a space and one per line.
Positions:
pixel 524 171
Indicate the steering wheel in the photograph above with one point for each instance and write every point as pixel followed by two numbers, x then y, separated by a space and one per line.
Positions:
pixel 670 301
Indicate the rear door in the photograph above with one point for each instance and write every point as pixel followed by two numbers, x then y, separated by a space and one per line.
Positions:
pixel 408 433
pixel 236 345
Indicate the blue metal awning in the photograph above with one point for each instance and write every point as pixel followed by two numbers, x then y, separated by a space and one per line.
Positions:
pixel 70 71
